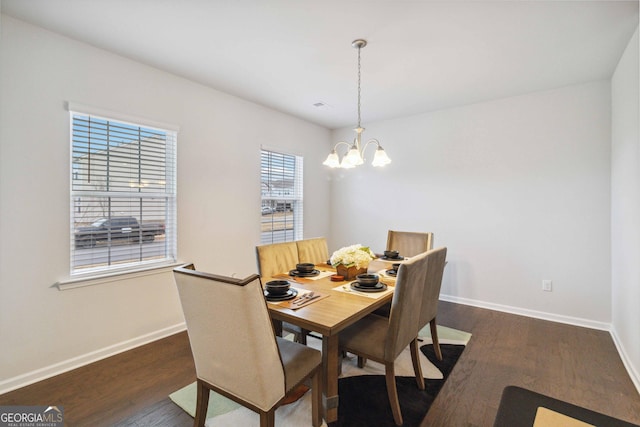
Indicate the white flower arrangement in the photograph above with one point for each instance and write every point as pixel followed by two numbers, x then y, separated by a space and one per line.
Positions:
pixel 354 255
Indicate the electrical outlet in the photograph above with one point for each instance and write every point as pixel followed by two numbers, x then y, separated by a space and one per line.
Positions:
pixel 546 285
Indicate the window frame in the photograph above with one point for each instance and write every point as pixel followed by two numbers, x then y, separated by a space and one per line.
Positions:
pixel 282 201
pixel 166 198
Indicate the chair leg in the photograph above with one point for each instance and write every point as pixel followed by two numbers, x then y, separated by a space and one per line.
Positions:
pixel 362 361
pixel 302 339
pixel 392 392
pixel 202 403
pixel 316 398
pixel 434 338
pixel 267 419
pixel 415 359
pixel 277 327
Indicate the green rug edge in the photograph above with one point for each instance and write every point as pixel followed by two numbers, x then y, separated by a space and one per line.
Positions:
pixel 186 399
pixel 448 334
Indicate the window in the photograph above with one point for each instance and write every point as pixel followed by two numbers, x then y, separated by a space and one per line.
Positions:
pixel 281 211
pixel 123 192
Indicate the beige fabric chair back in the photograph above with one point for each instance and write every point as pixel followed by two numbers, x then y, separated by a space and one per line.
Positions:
pixel 231 335
pixel 409 243
pixel 313 250
pixel 405 306
pixel 433 282
pixel 276 258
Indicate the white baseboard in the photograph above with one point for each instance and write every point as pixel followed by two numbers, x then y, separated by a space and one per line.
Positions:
pixel 76 362
pixel 576 321
pixel 635 377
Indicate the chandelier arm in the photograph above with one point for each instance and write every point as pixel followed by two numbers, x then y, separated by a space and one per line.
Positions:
pixel 371 141
pixel 364 147
pixel 341 143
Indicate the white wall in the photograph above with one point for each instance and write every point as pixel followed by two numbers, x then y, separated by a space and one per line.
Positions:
pixel 518 189
pixel 625 208
pixel 218 196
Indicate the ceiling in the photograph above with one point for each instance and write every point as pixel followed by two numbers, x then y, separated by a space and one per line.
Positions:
pixel 291 54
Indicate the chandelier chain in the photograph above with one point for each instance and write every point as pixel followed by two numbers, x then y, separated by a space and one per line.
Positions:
pixel 359 87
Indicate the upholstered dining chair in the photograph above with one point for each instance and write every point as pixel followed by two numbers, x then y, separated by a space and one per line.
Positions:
pixel 313 250
pixel 382 339
pixel 431 294
pixel 278 258
pixel 430 297
pixel 409 243
pixel 234 347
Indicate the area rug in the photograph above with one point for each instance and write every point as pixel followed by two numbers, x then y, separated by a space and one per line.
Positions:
pixel 363 393
pixel 520 407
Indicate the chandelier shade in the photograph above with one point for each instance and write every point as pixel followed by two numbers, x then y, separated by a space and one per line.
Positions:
pixel 354 156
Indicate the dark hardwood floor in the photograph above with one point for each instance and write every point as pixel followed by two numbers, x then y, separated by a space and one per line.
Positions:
pixel 109 391
pixel 570 363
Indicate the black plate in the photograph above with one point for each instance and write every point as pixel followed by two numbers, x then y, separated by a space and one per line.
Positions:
pixel 377 288
pixel 391 272
pixel 400 258
pixel 296 273
pixel 291 293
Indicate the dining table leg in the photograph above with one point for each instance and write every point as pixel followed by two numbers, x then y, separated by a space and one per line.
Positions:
pixel 331 369
pixel 277 327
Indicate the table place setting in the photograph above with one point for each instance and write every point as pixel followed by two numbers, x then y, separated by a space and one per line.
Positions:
pixel 392 256
pixel 321 274
pixel 281 293
pixel 303 299
pixel 386 263
pixel 368 285
pixel 375 295
pixel 305 272
pixel 279 290
pixel 388 276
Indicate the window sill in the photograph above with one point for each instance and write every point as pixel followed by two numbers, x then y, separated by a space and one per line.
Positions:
pixel 80 282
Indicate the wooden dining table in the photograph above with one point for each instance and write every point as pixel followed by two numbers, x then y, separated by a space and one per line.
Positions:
pixel 332 312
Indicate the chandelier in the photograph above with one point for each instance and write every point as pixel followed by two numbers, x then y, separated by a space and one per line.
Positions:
pixel 355 154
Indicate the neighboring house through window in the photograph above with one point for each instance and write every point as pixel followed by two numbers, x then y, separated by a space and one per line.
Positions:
pixel 281 189
pixel 123 193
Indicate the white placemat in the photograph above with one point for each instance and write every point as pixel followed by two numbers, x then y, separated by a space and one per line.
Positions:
pixel 321 275
pixel 388 278
pixel 379 263
pixel 346 288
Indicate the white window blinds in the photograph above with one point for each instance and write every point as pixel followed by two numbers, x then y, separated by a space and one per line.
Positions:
pixel 123 193
pixel 282 197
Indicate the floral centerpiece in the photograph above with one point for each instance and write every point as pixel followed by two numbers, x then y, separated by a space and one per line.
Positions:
pixel 351 260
